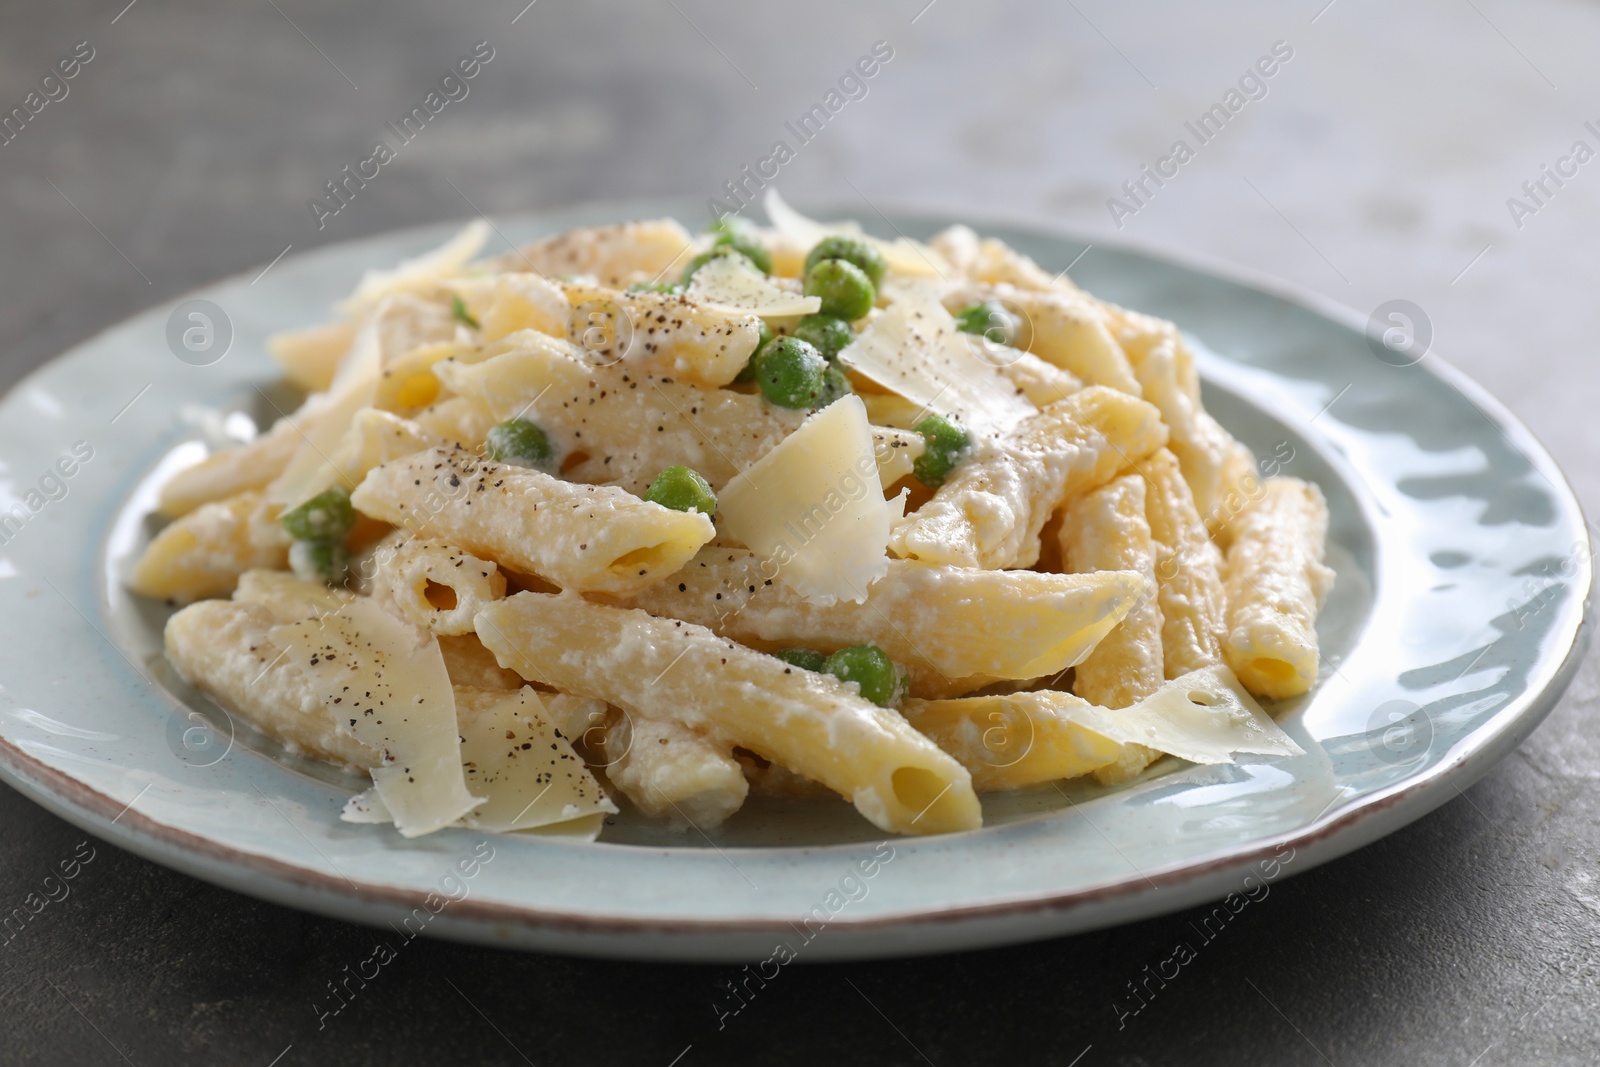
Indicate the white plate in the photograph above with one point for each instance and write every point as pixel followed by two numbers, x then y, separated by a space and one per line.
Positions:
pixel 1464 575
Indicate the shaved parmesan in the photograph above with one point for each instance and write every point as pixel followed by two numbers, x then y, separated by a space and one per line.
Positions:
pixel 730 283
pixel 514 756
pixel 913 348
pixel 903 255
pixel 385 683
pixel 813 508
pixel 419 273
pixel 1204 716
pixel 321 423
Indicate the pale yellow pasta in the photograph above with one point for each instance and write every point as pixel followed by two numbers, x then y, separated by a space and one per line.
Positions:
pixel 204 553
pixel 1138 333
pixel 460 420
pixel 667 334
pixel 954 629
pixel 435 585
pixel 1041 382
pixel 227 473
pixel 647 251
pixel 223 649
pixel 1106 529
pixel 1188 569
pixel 289 598
pixel 1200 443
pixel 990 511
pixel 661 669
pixel 1241 484
pixel 672 773
pixel 1066 331
pixel 584 537
pixel 469 663
pixel 408 383
pixel 310 356
pixel 377 437
pixel 617 427
pixel 1276 585
pixel 505 303
pixel 1015 740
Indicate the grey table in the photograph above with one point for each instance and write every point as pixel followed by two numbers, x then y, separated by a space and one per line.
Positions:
pixel 1380 161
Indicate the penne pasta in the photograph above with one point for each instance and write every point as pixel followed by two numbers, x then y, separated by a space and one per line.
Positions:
pixel 469 663
pixel 990 511
pixel 1015 740
pixel 674 774
pixel 1276 585
pixel 1188 570
pixel 1106 529
pixel 619 428
pixel 204 553
pixel 617 255
pixel 667 334
pixel 231 471
pixel 593 538
pixel 435 585
pixel 310 356
pixel 224 649
pixel 811 723
pixel 955 629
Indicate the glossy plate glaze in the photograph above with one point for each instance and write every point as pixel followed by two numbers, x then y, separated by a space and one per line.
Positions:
pixel 1464 577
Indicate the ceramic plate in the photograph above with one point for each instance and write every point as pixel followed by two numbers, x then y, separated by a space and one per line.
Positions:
pixel 1461 607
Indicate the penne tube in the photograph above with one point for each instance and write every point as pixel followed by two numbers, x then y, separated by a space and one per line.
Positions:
pixel 1016 740
pixel 224 649
pixel 435 585
pixel 1188 570
pixel 377 437
pixel 672 773
pixel 310 356
pixel 675 671
pixel 587 537
pixel 1276 585
pixel 203 553
pixel 288 597
pixel 1106 529
pixel 954 629
pixel 1199 441
pixel 620 428
pixel 469 663
pixel 652 250
pixel 989 512
pixel 232 471
pixel 667 334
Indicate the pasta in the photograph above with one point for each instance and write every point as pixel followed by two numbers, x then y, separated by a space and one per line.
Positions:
pixel 809 722
pixel 589 537
pixel 990 513
pixel 634 523
pixel 1276 585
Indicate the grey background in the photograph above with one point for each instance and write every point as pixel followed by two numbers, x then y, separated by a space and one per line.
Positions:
pixel 1378 166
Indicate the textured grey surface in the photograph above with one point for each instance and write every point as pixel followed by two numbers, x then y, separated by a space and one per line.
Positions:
pixel 1377 166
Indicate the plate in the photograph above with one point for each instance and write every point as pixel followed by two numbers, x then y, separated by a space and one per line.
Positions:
pixel 1461 607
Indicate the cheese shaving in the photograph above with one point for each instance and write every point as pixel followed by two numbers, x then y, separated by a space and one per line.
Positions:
pixel 913 348
pixel 419 273
pixel 386 684
pixel 1204 716
pixel 731 284
pixel 813 509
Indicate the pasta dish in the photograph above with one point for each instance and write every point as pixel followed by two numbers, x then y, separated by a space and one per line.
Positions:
pixel 631 516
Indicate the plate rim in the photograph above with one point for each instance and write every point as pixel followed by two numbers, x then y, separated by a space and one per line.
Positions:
pixel 1344 828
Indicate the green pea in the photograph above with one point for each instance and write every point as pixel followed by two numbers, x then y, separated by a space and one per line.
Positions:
pixel 990 319
pixel 521 443
pixel 835 384
pixel 327 516
pixel 845 289
pixel 707 256
pixel 807 659
pixel 826 333
pixel 733 232
pixel 881 681
pixel 682 489
pixel 946 441
pixel 458 309
pixel 320 561
pixel 851 250
pixel 790 373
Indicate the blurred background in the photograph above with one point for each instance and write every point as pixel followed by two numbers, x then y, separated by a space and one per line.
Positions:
pixel 1397 152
